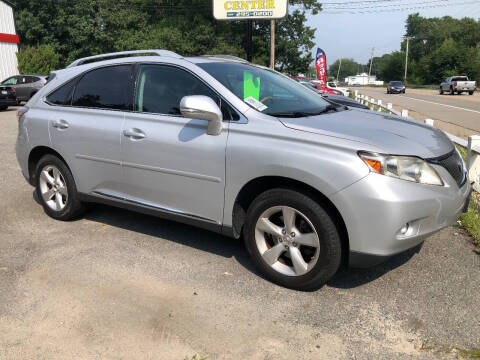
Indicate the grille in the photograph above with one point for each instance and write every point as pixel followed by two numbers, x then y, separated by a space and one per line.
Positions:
pixel 453 163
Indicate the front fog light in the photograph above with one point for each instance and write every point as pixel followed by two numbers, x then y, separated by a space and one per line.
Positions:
pixel 404 229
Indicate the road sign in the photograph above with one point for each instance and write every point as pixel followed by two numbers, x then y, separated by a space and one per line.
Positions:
pixel 249 9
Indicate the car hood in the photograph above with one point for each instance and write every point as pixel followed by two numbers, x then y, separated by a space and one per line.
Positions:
pixel 390 134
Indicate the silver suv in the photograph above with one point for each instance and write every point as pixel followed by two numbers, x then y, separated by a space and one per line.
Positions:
pixel 242 150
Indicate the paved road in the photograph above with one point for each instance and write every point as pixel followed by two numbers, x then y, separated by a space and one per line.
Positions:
pixel 462 110
pixel 116 284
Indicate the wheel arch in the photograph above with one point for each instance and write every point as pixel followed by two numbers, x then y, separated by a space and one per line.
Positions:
pixel 34 157
pixel 261 184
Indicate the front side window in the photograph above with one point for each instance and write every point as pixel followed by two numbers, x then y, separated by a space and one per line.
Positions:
pixel 10 81
pixel 63 95
pixel 266 90
pixel 106 88
pixel 160 88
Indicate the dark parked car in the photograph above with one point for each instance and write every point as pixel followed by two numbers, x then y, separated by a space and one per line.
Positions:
pixel 25 85
pixel 395 87
pixel 7 97
pixel 338 99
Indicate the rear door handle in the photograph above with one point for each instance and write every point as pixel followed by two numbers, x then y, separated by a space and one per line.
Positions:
pixel 60 124
pixel 134 133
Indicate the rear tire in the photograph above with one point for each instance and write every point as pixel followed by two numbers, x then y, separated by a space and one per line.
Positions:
pixel 452 92
pixel 314 264
pixel 56 189
pixel 3 108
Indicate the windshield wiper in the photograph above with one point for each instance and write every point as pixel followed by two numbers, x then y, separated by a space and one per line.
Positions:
pixel 297 114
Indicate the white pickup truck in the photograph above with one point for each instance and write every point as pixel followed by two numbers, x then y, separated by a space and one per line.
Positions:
pixel 458 84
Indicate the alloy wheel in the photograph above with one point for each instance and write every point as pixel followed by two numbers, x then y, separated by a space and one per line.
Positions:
pixel 287 240
pixel 53 188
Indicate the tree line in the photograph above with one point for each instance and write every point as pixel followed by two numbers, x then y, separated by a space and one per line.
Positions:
pixel 55 32
pixel 441 47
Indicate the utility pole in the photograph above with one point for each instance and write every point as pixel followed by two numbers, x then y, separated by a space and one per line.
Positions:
pixel 407 38
pixel 249 42
pixel 272 44
pixel 371 61
pixel 339 67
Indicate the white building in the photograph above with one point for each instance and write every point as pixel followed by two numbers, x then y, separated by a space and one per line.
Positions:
pixel 8 41
pixel 363 79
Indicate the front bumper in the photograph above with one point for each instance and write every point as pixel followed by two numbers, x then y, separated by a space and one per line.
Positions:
pixel 396 91
pixel 376 208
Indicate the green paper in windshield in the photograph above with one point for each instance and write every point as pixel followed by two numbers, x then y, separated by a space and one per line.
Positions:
pixel 251 86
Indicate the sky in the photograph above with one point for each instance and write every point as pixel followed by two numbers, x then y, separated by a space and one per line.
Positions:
pixel 353 35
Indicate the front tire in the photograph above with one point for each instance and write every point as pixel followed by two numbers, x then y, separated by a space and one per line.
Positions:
pixel 56 189
pixel 441 91
pixel 3 108
pixel 292 239
pixel 470 93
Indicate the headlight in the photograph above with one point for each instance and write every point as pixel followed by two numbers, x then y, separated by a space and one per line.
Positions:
pixel 402 167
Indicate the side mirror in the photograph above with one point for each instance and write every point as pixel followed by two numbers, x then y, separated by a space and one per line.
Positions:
pixel 204 108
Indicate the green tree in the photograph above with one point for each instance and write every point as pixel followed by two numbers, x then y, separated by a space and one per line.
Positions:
pixel 85 27
pixel 37 60
pixel 349 67
pixel 391 66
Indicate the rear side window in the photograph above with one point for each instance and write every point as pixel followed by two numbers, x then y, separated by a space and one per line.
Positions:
pixel 32 79
pixel 106 88
pixel 63 95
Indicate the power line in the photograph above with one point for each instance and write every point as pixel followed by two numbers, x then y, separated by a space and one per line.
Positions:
pixel 348 7
pixel 359 11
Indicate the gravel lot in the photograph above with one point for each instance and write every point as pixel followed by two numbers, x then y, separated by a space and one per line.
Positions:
pixel 117 284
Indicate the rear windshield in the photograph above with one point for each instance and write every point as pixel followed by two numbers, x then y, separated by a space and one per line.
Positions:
pixel 460 78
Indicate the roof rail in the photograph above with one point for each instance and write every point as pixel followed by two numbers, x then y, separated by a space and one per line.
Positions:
pixel 122 53
pixel 226 57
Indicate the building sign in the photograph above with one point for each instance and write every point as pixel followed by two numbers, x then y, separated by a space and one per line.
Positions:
pixel 249 9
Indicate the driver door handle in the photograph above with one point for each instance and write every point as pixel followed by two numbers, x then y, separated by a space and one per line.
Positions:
pixel 134 133
pixel 60 124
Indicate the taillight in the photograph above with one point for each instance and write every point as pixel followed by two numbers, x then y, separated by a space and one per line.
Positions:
pixel 455 83
pixel 22 111
pixel 475 84
pixel 12 91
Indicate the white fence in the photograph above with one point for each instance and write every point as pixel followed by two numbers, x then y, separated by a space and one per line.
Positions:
pixel 472 145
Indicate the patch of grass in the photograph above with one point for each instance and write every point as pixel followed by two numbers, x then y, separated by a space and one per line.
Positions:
pixel 470 354
pixel 462 151
pixel 471 221
pixel 195 357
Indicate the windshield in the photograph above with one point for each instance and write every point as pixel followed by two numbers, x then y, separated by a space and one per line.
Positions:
pixel 266 90
pixel 396 83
